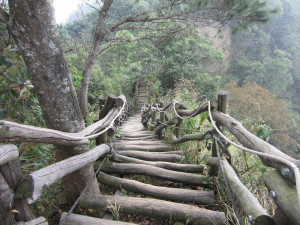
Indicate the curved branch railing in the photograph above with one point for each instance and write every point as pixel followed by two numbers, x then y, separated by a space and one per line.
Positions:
pixel 270 156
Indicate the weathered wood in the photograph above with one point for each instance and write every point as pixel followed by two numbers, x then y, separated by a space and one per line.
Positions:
pixel 202 108
pixel 281 219
pixel 8 153
pixel 75 219
pixel 105 119
pixel 213 170
pixel 286 195
pixel 12 173
pixel 154 208
pixel 137 134
pixel 6 203
pixel 172 194
pixel 150 148
pixel 188 168
pixel 141 142
pixel 6 195
pixel 10 132
pixel 37 221
pixel 129 168
pixel 192 137
pixel 251 141
pixel 247 200
pixel 177 130
pixel 160 128
pixel 33 184
pixel 151 156
pixel 109 104
pixel 223 101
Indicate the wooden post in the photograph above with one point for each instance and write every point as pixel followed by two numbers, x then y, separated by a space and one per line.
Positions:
pixel 6 203
pixel 12 173
pixel 223 101
pixel 109 104
pixel 177 131
pixel 222 107
pixel 153 116
pixel 213 171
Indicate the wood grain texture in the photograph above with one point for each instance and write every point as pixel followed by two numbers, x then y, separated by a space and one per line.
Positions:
pixel 154 208
pixel 33 184
pixel 75 219
pixel 172 194
pixel 8 153
pixel 188 168
pixel 129 168
pixel 286 200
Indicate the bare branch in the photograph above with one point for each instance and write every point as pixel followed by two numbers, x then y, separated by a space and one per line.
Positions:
pixel 4 16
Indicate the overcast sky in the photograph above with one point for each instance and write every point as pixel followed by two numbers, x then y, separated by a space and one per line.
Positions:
pixel 63 9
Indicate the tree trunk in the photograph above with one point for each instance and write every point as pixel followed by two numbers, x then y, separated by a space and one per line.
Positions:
pixel 34 29
pixel 89 63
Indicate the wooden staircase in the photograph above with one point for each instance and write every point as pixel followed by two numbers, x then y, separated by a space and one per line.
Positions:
pixel 138 152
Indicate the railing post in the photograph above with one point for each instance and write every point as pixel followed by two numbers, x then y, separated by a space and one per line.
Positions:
pixel 222 107
pixel 12 174
pixel 107 105
pixel 153 115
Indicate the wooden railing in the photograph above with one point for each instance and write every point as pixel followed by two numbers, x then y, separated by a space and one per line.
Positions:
pixel 17 192
pixel 279 182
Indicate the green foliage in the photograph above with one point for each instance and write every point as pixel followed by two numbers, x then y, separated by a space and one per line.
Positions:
pixel 269 53
pixel 36 156
pixel 14 83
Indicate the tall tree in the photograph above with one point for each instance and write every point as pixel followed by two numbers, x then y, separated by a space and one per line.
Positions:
pixel 33 26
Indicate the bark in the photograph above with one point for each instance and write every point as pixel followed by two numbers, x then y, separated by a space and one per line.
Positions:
pixel 192 137
pixel 154 208
pixel 129 168
pixel 12 174
pixel 251 141
pixel 172 194
pixel 6 203
pixel 247 200
pixel 37 221
pixel 286 199
pixel 151 156
pixel 188 168
pixel 32 186
pixel 74 219
pixel 8 153
pixel 150 148
pixel 34 29
pixel 99 35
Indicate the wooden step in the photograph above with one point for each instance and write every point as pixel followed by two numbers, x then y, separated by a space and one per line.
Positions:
pixel 174 176
pixel 187 168
pixel 151 156
pixel 154 208
pixel 172 194
pixel 75 219
pixel 149 148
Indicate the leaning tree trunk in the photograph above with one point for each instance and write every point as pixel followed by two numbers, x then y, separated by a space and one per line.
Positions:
pixel 99 34
pixel 32 25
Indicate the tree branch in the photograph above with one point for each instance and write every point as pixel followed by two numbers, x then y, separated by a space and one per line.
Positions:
pixel 4 16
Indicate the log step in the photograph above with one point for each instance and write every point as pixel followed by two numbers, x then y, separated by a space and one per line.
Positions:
pixel 187 168
pixel 171 194
pixel 151 156
pixel 154 208
pixel 175 176
pixel 149 148
pixel 75 219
